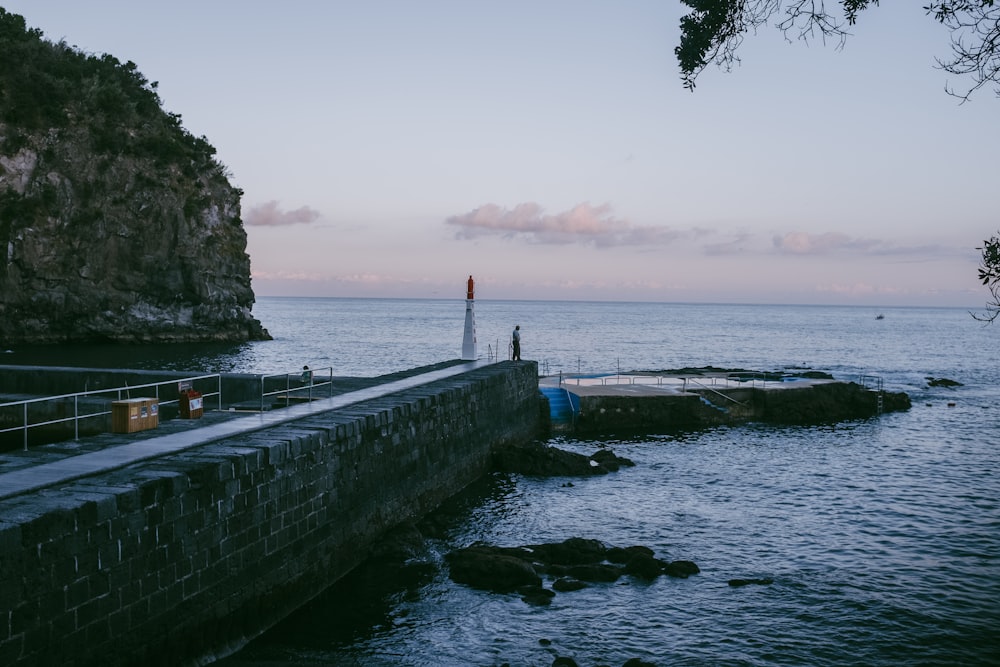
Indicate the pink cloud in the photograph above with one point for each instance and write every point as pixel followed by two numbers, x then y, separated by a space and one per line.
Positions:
pixel 581 224
pixel 269 215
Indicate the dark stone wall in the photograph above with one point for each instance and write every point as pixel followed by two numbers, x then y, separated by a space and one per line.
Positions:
pixel 814 403
pixel 166 562
pixel 647 414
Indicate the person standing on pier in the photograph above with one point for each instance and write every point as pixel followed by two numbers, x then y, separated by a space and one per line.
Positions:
pixel 516 343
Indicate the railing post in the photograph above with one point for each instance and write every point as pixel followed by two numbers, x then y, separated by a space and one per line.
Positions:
pixel 25 427
pixel 262 394
pixel 76 417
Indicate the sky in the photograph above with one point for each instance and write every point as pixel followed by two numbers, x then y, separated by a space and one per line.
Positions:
pixel 548 148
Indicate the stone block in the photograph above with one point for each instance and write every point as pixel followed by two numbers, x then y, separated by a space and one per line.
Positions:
pixel 10 540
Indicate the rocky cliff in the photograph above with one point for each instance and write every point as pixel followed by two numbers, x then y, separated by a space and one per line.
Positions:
pixel 115 222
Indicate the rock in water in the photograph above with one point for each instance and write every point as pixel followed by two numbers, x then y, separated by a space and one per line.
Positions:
pixel 116 224
pixel 736 583
pixel 491 568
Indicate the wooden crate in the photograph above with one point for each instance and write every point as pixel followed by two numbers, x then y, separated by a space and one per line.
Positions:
pixel 135 414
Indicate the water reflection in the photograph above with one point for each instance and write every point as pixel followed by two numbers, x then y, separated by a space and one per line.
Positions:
pixel 201 357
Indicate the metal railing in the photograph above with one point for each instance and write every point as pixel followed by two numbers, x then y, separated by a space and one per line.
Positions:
pixel 717 393
pixel 574 409
pixel 302 387
pixel 870 382
pixel 755 378
pixel 660 380
pixel 102 404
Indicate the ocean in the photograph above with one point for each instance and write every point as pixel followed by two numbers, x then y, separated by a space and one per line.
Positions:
pixel 881 536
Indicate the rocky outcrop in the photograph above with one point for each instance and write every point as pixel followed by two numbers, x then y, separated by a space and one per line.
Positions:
pixel 536 458
pixel 572 564
pixel 492 568
pixel 942 382
pixel 115 223
pixel 828 402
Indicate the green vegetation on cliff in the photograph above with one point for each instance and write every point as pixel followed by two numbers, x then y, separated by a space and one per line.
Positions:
pixel 46 86
pixel 116 223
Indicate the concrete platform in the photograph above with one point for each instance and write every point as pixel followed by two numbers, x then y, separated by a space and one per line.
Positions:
pixel 650 402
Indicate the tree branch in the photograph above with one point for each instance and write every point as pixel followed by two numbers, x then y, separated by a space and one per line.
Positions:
pixel 989 273
pixel 975 42
pixel 715 29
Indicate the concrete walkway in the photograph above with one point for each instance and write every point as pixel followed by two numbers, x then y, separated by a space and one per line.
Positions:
pixel 34 477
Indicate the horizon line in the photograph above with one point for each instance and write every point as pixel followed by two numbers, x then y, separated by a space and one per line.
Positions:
pixel 622 301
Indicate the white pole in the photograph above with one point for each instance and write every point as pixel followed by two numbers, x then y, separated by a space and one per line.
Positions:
pixel 469 339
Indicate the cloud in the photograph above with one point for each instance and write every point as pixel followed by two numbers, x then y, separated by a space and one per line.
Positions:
pixel 581 224
pixel 801 243
pixel 268 215
pixel 859 289
pixel 345 279
pixel 741 243
pixel 286 275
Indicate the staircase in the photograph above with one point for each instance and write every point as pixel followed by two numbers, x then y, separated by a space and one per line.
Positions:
pixel 560 407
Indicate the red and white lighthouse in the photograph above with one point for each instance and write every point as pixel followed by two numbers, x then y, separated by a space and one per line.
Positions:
pixel 469 340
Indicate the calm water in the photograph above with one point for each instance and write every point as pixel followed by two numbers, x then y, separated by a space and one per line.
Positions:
pixel 882 536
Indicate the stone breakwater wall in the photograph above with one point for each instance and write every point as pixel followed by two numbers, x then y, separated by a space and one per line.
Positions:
pixel 178 559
